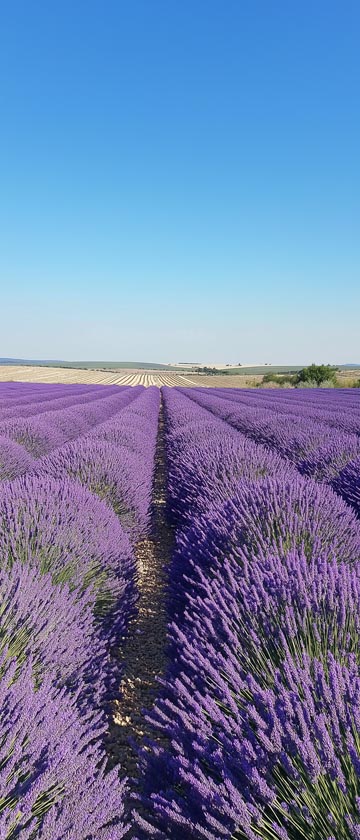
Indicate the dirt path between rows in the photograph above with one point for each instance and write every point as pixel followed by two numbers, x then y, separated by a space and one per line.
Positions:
pixel 143 651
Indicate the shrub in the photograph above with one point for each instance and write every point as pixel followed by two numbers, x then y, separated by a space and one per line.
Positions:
pixel 317 374
pixel 282 380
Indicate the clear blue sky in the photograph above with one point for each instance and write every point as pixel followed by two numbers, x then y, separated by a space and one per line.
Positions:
pixel 180 180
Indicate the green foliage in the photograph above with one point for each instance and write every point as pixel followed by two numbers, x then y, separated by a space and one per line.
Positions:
pixel 317 375
pixel 270 377
pixel 283 380
pixel 210 371
pixel 347 383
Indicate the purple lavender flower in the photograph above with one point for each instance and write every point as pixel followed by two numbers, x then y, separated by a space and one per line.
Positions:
pixel 347 484
pixel 260 705
pixel 111 472
pixel 42 433
pixel 59 527
pixel 55 629
pixel 52 770
pixel 14 459
pixel 315 448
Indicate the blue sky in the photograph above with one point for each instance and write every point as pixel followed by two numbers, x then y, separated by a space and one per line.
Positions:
pixel 180 180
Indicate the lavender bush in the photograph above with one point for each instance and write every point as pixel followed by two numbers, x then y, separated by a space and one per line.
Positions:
pixel 55 629
pixel 52 400
pixel 313 447
pixel 35 435
pixel 42 433
pixel 52 768
pixel 111 472
pixel 249 761
pixel 270 517
pixel 62 529
pixel 347 484
pixel 207 459
pixel 14 459
pixel 119 474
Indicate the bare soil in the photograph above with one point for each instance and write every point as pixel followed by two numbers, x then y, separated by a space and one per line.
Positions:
pixel 144 649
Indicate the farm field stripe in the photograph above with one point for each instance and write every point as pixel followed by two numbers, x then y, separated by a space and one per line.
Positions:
pixel 331 412
pixel 64 376
pixel 58 404
pixel 24 440
pixel 62 722
pixel 313 448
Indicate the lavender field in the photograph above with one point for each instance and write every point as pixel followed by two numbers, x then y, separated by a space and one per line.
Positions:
pixel 180 613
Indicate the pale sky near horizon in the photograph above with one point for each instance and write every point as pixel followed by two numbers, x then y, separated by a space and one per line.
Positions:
pixel 180 181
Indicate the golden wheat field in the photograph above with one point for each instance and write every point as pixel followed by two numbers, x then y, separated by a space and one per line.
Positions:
pixel 28 373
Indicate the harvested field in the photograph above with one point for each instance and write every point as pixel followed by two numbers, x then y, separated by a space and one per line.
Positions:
pixel 346 378
pixel 78 376
pixel 225 380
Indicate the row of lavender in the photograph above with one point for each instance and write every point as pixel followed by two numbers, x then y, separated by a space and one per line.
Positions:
pixel 68 523
pixel 319 434
pixel 23 439
pixel 260 707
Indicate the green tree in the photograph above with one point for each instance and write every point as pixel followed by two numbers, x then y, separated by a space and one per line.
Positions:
pixel 209 371
pixel 317 374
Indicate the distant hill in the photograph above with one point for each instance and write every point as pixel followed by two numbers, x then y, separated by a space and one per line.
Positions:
pixel 89 365
pixel 6 361
pixel 261 370
pixel 245 371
